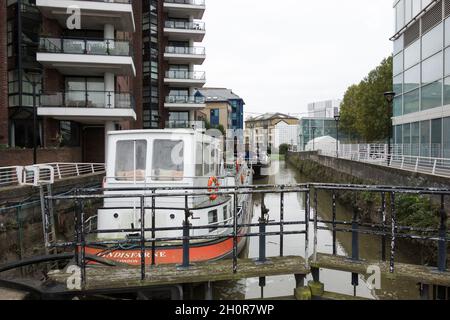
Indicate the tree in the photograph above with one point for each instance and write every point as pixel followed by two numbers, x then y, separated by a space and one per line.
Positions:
pixel 364 110
pixel 284 148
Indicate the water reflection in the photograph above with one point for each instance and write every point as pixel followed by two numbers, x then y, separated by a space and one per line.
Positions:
pixel 335 281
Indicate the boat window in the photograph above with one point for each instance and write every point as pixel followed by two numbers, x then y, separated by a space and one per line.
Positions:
pixel 225 214
pixel 168 160
pixel 212 220
pixel 131 160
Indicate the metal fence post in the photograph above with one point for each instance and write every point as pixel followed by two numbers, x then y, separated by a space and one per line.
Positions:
pixel 142 238
pixel 282 222
pixel 235 232
pixel 262 231
pixel 307 217
pixel 153 228
pixel 393 233
pixel 316 209
pixel 186 233
pixel 383 223
pixel 334 224
pixel 442 244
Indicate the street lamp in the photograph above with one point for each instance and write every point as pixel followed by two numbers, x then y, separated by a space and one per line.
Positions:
pixel 389 96
pixel 313 136
pixel 337 118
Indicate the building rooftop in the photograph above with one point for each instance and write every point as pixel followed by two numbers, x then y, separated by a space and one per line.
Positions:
pixel 218 94
pixel 270 116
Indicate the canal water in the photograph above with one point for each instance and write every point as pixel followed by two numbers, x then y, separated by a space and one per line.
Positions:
pixel 335 281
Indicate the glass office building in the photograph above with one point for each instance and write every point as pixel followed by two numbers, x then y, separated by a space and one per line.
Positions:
pixel 422 78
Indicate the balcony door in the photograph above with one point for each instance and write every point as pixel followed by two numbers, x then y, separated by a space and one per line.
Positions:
pixel 84 92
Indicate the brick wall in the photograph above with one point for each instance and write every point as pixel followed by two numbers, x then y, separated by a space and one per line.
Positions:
pixel 3 75
pixel 23 157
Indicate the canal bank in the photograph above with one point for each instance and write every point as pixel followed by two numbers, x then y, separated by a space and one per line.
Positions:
pixel 413 210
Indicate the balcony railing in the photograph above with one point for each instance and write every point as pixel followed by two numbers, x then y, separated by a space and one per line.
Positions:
pixel 111 1
pixel 191 2
pixel 105 47
pixel 185 100
pixel 186 50
pixel 185 25
pixel 87 99
pixel 186 75
pixel 181 124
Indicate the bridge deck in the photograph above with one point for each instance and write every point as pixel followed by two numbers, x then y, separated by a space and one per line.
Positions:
pixel 113 278
pixel 421 274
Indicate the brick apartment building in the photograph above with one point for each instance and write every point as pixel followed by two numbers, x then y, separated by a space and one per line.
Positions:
pixel 129 66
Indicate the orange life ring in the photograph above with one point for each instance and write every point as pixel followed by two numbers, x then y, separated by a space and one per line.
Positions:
pixel 213 182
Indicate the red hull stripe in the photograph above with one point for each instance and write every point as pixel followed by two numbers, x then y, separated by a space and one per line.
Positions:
pixel 166 256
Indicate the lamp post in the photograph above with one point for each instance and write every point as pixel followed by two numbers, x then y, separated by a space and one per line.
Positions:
pixel 337 119
pixel 313 136
pixel 389 96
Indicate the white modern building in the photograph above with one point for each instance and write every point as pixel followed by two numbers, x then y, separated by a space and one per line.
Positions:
pixel 285 134
pixel 324 109
pixel 421 115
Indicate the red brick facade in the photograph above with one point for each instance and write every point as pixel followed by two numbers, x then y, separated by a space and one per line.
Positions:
pixel 3 75
pixel 24 157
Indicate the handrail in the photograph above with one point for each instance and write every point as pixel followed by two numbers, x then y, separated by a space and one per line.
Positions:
pixel 46 173
pixel 186 50
pixel 190 2
pixel 186 75
pixel 87 99
pixel 171 24
pixel 88 46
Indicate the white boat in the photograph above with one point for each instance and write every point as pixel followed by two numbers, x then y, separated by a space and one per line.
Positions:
pixel 170 161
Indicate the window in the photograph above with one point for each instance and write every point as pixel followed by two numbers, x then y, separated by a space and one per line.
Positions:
pixel 131 160
pixel 199 159
pixel 398 135
pixel 215 117
pixel 415 139
pixel 411 102
pixel 432 95
pixel 432 41
pixel 398 84
pixel 398 106
pixel 447 91
pixel 407 139
pixel 425 138
pixel 206 159
pixel 398 63
pixel 432 68
pixel 446 137
pixel 412 78
pixel 225 214
pixel 70 134
pixel 436 138
pixel 168 160
pixel 412 54
pixel 213 219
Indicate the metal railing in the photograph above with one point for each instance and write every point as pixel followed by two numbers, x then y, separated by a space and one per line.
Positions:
pixel 149 196
pixel 190 2
pixel 112 1
pixel 179 124
pixel 388 228
pixel 185 75
pixel 201 51
pixel 378 154
pixel 196 26
pixel 67 45
pixel 185 99
pixel 87 99
pixel 45 173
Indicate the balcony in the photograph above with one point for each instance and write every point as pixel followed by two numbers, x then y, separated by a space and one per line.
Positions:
pixel 185 8
pixel 87 106
pixel 185 102
pixel 181 55
pixel 86 57
pixel 185 31
pixel 196 125
pixel 185 78
pixel 95 14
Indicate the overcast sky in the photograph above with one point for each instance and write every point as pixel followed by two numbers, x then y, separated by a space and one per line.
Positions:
pixel 280 55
